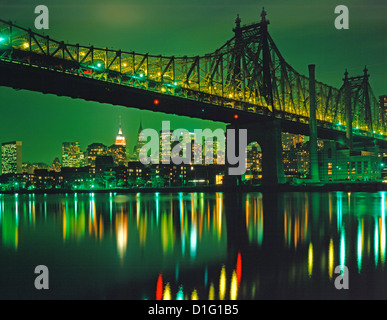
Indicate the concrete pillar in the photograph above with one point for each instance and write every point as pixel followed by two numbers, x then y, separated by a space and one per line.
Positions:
pixel 314 173
pixel 272 153
pixel 268 135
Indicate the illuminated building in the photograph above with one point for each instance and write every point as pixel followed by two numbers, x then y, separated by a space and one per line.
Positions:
pixel 340 164
pixel 118 152
pixel 94 150
pixel 253 161
pixel 291 145
pixel 31 167
pixel 11 153
pixel 383 102
pixel 72 156
pixel 56 165
pixel 296 155
pixel 120 139
pixel 166 141
pixel 174 175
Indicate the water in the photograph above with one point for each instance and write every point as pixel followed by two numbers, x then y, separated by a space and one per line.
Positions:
pixel 193 245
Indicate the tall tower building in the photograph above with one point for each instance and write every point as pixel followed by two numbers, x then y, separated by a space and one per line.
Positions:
pixel 11 153
pixel 72 155
pixel 120 139
pixel 118 149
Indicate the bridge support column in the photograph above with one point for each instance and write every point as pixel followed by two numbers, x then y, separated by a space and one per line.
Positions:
pixel 348 109
pixel 314 174
pixel 268 135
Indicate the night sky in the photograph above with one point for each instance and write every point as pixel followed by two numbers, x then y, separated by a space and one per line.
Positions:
pixel 303 30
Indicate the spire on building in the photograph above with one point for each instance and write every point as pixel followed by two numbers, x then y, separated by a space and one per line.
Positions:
pixel 120 139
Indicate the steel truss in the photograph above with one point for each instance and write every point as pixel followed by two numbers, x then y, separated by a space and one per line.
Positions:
pixel 247 73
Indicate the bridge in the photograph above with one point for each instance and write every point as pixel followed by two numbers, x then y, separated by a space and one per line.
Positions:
pixel 245 83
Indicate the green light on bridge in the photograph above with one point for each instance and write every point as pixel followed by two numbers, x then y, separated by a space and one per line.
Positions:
pixel 2 39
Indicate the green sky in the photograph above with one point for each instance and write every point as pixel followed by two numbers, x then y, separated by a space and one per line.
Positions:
pixel 303 30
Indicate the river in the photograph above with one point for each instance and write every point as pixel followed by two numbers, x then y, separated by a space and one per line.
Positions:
pixel 194 245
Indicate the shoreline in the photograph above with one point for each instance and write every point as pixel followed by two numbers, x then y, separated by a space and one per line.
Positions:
pixel 345 187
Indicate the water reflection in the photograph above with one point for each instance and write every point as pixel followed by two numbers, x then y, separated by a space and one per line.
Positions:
pixel 191 246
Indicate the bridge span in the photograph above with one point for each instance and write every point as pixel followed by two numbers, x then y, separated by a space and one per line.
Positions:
pixel 246 83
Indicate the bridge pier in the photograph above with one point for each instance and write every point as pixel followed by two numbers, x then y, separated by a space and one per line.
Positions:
pixel 268 135
pixel 314 170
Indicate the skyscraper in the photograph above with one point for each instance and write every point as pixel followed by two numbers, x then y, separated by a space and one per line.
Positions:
pixel 166 141
pixel 120 139
pixel 118 150
pixel 72 155
pixel 94 150
pixel 11 153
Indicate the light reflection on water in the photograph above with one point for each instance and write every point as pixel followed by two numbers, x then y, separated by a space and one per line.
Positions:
pixel 193 245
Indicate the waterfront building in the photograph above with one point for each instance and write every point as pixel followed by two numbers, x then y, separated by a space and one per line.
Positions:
pixel 342 164
pixel 11 154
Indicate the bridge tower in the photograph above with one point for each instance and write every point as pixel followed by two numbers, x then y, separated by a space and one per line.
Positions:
pixel 357 104
pixel 267 132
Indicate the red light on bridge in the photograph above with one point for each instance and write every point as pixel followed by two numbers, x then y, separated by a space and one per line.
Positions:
pixel 156 102
pixel 236 116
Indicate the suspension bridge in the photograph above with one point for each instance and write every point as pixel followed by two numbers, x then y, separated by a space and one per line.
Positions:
pixel 245 82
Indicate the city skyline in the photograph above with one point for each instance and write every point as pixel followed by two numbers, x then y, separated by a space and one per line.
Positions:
pixel 130 143
pixel 294 27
